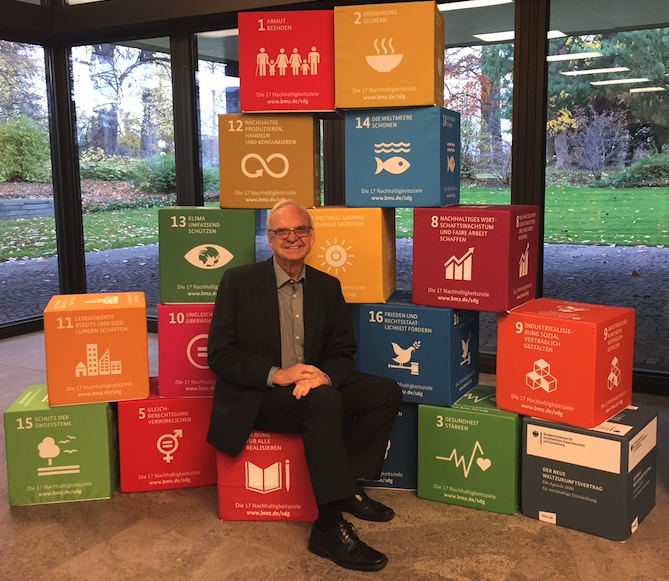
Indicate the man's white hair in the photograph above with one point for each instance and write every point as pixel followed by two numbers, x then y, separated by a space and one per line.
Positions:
pixel 283 204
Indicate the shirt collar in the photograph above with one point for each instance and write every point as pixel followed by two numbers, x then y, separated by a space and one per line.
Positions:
pixel 281 276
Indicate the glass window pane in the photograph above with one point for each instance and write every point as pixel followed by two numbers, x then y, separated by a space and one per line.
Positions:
pixel 125 133
pixel 218 84
pixel 28 262
pixel 607 178
pixel 479 83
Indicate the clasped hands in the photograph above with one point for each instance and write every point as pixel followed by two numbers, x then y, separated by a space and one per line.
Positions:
pixel 305 378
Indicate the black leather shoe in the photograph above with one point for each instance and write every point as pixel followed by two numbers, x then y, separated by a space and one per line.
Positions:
pixel 365 508
pixel 343 546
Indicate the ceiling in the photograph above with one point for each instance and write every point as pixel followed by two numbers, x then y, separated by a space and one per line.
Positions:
pixel 573 17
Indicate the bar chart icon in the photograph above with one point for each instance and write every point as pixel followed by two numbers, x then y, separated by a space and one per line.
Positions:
pixel 460 268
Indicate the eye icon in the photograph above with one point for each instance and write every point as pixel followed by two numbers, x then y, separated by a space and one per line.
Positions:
pixel 208 256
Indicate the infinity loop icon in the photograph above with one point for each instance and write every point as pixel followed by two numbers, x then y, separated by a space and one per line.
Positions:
pixel 257 173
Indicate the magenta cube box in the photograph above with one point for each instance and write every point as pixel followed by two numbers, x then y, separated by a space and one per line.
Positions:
pixel 286 60
pixel 183 331
pixel 475 256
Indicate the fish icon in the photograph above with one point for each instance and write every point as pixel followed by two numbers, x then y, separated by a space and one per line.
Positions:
pixel 395 165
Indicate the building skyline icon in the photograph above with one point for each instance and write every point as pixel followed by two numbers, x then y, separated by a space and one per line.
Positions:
pixel 97 365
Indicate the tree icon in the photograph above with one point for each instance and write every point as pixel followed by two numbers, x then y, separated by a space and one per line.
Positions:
pixel 48 449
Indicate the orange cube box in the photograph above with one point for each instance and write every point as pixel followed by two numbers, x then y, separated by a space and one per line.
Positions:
pixel 96 348
pixel 357 245
pixel 269 480
pixel 565 361
pixel 389 55
pixel 163 443
pixel 264 159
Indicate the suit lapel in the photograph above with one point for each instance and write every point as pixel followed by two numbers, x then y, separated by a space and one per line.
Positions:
pixel 269 302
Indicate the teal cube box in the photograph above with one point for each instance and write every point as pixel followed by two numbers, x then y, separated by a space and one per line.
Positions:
pixel 405 157
pixel 432 352
pixel 59 454
pixel 197 245
pixel 469 454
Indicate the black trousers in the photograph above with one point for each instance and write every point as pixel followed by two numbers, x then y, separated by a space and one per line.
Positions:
pixel 345 430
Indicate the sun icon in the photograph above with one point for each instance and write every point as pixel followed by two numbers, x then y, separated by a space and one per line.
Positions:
pixel 336 256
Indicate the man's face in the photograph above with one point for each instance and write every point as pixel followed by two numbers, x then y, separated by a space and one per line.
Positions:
pixel 292 249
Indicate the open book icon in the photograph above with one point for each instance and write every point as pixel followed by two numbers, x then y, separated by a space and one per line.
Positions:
pixel 268 479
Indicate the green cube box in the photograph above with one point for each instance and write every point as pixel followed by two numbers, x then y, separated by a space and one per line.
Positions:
pixel 59 454
pixel 469 454
pixel 197 245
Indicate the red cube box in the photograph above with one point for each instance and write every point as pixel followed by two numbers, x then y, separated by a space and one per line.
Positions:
pixel 480 257
pixel 286 60
pixel 183 331
pixel 269 480
pixel 163 443
pixel 565 361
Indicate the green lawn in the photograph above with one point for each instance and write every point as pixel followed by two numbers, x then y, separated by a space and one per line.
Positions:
pixel 36 237
pixel 573 215
pixel 585 215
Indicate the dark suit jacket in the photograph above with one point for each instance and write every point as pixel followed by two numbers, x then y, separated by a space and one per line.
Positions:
pixel 245 342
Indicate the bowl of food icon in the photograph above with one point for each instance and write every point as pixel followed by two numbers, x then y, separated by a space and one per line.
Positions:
pixel 384 63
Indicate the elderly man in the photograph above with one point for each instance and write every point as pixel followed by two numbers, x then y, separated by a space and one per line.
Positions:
pixel 282 345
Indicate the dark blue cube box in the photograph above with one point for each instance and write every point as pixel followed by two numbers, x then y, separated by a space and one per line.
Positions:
pixel 400 467
pixel 407 157
pixel 432 352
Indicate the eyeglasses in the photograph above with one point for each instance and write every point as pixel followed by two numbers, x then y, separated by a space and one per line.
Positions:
pixel 284 233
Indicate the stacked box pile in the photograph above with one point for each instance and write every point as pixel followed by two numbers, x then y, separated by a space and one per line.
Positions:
pixel 588 456
pixel 163 438
pixel 402 149
pixel 61 438
pixel 196 246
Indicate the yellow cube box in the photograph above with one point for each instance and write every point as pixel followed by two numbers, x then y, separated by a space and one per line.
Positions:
pixel 357 245
pixel 96 348
pixel 264 159
pixel 389 55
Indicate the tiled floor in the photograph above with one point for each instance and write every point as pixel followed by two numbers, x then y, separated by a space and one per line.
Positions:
pixel 176 534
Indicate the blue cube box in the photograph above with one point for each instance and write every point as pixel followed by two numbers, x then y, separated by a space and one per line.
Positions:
pixel 407 157
pixel 400 466
pixel 432 352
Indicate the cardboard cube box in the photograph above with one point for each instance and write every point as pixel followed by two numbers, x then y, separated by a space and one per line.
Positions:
pixel 380 61
pixel 286 60
pixel 59 454
pixel 565 361
pixel 432 353
pixel 269 480
pixel 96 347
pixel 197 245
pixel 481 257
pixel 469 454
pixel 599 481
pixel 163 443
pixel 183 331
pixel 400 466
pixel 357 245
pixel 264 159
pixel 402 157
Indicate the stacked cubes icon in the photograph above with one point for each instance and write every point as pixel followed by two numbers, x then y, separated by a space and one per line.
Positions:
pixel 615 375
pixel 541 377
